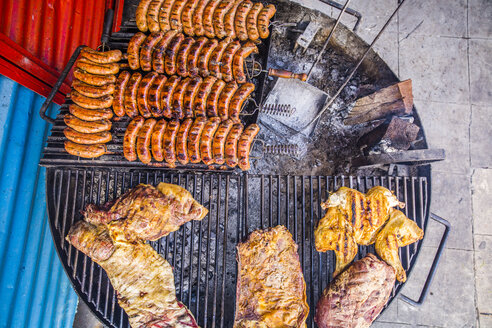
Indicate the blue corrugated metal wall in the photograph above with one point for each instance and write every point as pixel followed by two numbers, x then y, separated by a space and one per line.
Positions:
pixel 34 290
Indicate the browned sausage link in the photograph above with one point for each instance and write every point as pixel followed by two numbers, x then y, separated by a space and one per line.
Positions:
pixel 225 99
pixel 134 50
pixel 164 14
pixel 119 95
pixel 200 103
pixel 181 140
pixel 91 103
pixel 219 26
pixel 178 98
pixel 204 56
pixel 187 17
pixel 141 15
pixel 167 95
pixel 244 145
pixel 175 19
pixel 143 91
pixel 172 53
pixel 252 21
pixel 194 139
pixel 147 48
pixel 130 138
pixel 238 99
pixel 214 63
pixel 194 54
pixel 213 98
pixel 143 141
pixel 264 20
pixel 189 96
pixel 86 151
pixel 198 17
pixel 219 141
pixel 154 98
pixel 131 95
pixel 90 115
pixel 105 57
pixel 206 140
pixel 208 15
pixel 92 91
pixel 87 138
pixel 238 63
pixel 231 144
pixel 86 127
pixel 240 20
pixel 169 142
pixel 182 60
pixel 153 15
pixel 156 140
pixel 229 20
pixel 99 69
pixel 160 51
pixel 226 60
pixel 93 79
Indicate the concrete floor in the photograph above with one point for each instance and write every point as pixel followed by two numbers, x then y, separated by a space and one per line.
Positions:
pixel 445 47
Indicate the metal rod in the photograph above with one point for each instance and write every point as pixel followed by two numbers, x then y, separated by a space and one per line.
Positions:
pixel 349 11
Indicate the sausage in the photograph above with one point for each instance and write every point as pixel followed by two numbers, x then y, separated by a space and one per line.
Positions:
pixel 208 13
pixel 200 103
pixel 226 60
pixel 231 144
pixel 90 115
pixel 169 142
pixel 156 140
pixel 194 136
pixel 182 60
pixel 244 145
pixel 198 17
pixel 98 69
pixel 105 57
pixel 159 51
pixel 229 20
pixel 142 93
pixel 131 95
pixel 86 151
pixel 141 15
pixel 187 17
pixel 214 63
pixel 153 15
pixel 224 100
pixel 87 138
pixel 92 91
pixel 119 95
pixel 91 103
pixel 213 98
pixel 264 20
pixel 206 140
pixel 238 99
pixel 238 62
pixel 87 127
pixel 130 138
pixel 190 95
pixel 219 26
pixel 181 139
pixel 167 95
pixel 194 54
pixel 147 48
pixel 218 142
pixel 175 19
pixel 134 50
pixel 154 97
pixel 164 15
pixel 178 98
pixel 172 53
pixel 204 56
pixel 252 21
pixel 143 141
pixel 93 79
pixel 240 20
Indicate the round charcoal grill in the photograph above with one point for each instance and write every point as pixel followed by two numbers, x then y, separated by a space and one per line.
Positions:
pixel 278 190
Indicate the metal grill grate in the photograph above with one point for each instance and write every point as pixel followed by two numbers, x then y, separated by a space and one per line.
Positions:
pixel 203 254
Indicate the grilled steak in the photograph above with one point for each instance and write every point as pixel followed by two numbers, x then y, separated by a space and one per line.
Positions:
pixel 356 296
pixel 271 291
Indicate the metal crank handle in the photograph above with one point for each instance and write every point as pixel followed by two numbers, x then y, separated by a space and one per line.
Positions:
pixel 284 74
pixel 435 263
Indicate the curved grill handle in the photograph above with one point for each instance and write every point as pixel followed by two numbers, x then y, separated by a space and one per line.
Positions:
pixel 56 87
pixel 435 263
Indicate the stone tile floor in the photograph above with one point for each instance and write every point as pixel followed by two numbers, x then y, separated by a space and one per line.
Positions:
pixel 445 47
